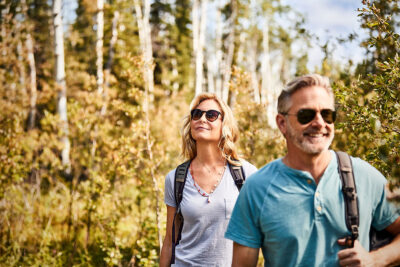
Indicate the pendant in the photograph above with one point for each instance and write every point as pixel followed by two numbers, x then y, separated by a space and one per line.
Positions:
pixel 208 199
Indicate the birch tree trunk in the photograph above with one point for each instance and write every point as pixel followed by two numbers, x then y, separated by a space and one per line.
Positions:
pixel 99 68
pixel 175 74
pixel 33 96
pixel 60 81
pixel 266 94
pixel 21 67
pixel 99 45
pixel 241 48
pixel 219 53
pixel 211 73
pixel 143 20
pixel 107 71
pixel 252 63
pixel 200 47
pixel 146 46
pixel 227 70
pixel 195 32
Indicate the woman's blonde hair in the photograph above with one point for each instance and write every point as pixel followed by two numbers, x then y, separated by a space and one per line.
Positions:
pixel 229 134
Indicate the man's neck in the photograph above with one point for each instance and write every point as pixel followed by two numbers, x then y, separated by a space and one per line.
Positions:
pixel 314 164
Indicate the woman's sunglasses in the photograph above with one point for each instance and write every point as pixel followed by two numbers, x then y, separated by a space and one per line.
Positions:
pixel 305 116
pixel 211 115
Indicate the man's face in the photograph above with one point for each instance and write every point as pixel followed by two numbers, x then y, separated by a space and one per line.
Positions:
pixel 317 135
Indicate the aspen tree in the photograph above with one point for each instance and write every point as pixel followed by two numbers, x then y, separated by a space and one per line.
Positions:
pixel 60 81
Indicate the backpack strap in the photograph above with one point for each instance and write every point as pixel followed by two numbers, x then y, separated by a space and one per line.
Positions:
pixel 349 191
pixel 237 174
pixel 179 184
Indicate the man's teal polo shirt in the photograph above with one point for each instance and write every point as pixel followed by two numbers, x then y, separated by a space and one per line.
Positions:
pixel 296 222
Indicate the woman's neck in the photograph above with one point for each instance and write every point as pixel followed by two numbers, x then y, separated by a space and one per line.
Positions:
pixel 209 154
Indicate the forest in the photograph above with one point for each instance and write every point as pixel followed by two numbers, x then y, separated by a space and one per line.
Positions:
pixel 91 111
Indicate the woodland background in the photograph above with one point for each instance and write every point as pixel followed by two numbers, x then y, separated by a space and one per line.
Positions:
pixel 90 112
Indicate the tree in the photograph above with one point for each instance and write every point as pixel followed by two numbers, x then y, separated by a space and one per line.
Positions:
pixel 370 103
pixel 143 20
pixel 378 48
pixel 61 83
pixel 199 35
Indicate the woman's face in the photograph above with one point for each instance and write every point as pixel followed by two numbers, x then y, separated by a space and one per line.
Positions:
pixel 203 130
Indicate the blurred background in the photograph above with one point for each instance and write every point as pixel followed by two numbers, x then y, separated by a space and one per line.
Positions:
pixel 93 93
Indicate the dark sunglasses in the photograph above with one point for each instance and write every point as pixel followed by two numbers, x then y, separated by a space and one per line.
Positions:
pixel 211 115
pixel 305 116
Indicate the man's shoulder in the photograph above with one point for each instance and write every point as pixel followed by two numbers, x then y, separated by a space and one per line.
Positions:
pixel 266 173
pixel 364 171
pixel 362 166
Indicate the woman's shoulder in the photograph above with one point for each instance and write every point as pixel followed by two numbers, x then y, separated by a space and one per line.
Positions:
pixel 248 167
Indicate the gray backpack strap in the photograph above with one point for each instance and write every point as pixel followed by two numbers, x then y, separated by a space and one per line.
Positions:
pixel 237 174
pixel 179 184
pixel 180 179
pixel 346 173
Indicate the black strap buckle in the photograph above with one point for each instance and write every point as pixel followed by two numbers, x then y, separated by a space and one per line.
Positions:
pixel 349 241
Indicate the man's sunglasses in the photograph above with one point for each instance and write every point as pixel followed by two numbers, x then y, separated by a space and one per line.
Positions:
pixel 305 116
pixel 211 115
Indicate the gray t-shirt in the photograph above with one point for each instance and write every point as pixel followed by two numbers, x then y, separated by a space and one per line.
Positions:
pixel 202 242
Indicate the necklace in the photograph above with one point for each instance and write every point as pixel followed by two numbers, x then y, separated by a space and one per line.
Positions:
pixel 202 192
pixel 219 172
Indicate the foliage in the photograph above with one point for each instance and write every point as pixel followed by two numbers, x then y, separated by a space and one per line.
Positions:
pixel 258 143
pixel 380 19
pixel 370 105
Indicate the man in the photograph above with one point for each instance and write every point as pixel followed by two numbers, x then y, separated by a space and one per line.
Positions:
pixel 293 207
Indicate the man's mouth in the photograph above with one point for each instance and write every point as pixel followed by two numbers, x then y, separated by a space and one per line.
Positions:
pixel 316 135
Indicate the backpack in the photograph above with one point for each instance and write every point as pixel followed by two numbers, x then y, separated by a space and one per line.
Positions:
pixel 377 238
pixel 179 183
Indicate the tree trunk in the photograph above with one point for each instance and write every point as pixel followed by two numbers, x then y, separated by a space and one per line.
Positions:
pixel 60 81
pixel 266 94
pixel 33 96
pixel 175 74
pixel 211 73
pixel 21 67
pixel 143 20
pixel 114 36
pixel 219 53
pixel 99 45
pixel 240 53
pixel 145 43
pixel 229 55
pixel 252 63
pixel 199 47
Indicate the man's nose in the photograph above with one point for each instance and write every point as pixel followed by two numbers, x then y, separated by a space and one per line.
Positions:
pixel 318 121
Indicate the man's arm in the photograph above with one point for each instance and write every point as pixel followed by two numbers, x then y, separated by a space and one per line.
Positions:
pixel 244 256
pixel 385 256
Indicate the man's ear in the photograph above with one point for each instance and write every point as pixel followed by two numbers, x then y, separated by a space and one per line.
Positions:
pixel 281 122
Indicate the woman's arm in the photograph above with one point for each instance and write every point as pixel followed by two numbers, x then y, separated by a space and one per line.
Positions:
pixel 166 251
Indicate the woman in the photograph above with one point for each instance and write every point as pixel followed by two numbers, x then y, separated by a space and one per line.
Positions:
pixel 208 136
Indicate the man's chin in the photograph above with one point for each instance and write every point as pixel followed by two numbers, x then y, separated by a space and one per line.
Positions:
pixel 314 149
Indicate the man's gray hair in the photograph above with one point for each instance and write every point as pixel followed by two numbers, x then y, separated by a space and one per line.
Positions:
pixel 284 99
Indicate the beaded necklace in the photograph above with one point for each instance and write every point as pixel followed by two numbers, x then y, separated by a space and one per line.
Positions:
pixel 202 192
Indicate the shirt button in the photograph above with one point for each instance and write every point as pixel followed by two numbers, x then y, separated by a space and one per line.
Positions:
pixel 317 194
pixel 309 181
pixel 319 208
